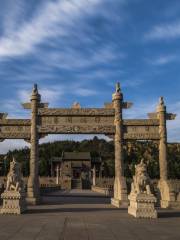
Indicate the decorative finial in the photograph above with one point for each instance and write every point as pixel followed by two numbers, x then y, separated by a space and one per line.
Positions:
pixel 76 105
pixel 161 101
pixel 118 88
pixel 35 88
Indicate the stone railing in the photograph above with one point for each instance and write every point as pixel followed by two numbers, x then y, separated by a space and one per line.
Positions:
pixel 104 186
pixel 45 182
pixel 104 190
pixel 104 182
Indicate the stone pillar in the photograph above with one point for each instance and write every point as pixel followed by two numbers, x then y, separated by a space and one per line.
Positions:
pixel 94 176
pixel 166 192
pixel 33 192
pixel 120 189
pixel 57 174
pixel 161 110
pixel 52 173
pixel 60 171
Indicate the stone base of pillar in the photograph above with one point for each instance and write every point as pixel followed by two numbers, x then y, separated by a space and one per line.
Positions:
pixel 168 196
pixel 142 205
pixel 120 193
pixel 33 192
pixel 119 203
pixel 33 201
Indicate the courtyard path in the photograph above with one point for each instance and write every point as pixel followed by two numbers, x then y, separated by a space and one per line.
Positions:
pixel 85 215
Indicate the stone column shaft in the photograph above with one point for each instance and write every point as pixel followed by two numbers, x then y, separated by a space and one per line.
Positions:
pixel 163 140
pixel 94 176
pixel 33 181
pixel 166 193
pixel 118 141
pixel 57 174
pixel 120 188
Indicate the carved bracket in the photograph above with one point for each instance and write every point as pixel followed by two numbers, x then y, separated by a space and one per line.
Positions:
pixel 170 116
pixel 127 105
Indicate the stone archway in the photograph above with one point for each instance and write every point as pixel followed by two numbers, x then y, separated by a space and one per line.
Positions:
pixel 76 120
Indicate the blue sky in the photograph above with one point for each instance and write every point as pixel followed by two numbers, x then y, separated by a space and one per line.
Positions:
pixel 76 50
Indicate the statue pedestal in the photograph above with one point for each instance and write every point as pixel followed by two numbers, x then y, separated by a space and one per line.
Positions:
pixel 142 205
pixel 13 202
pixel 168 196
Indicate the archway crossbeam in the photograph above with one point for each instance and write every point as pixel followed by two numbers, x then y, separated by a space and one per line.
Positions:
pixel 76 120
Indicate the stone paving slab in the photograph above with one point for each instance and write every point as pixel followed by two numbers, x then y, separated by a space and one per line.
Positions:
pixel 97 221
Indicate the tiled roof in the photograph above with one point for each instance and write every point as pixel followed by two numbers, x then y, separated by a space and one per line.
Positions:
pixel 76 156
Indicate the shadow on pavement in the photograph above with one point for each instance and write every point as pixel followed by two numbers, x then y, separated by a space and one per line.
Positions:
pixel 169 214
pixel 68 210
pixel 51 200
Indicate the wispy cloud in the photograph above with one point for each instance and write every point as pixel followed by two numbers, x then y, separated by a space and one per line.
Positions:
pixel 73 59
pixel 9 145
pixel 13 108
pixel 53 19
pixel 84 92
pixel 165 31
pixel 140 110
pixel 174 125
pixel 49 94
pixel 162 60
pixel 54 94
pixel 77 49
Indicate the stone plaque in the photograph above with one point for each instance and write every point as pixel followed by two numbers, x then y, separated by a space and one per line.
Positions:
pixel 141 122
pixel 141 129
pixel 15 129
pixel 141 136
pixel 76 120
pixel 71 121
pixel 80 129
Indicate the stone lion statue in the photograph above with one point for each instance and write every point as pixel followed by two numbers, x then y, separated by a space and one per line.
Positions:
pixel 14 182
pixel 141 180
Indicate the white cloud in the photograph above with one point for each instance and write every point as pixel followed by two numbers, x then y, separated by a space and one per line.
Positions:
pixel 164 31
pixel 53 19
pixel 140 110
pixel 70 58
pixel 84 92
pixel 24 95
pixel 174 125
pixel 12 15
pixel 162 60
pixel 13 108
pixel 50 94
pixel 8 145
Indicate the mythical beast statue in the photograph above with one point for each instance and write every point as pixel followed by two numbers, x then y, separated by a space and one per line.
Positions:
pixel 141 180
pixel 14 180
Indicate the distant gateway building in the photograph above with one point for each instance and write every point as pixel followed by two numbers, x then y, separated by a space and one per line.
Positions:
pixel 73 169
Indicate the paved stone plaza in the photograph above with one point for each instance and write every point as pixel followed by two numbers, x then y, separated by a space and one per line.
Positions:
pixel 86 215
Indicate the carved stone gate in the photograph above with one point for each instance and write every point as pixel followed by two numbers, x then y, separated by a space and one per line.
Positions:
pixel 108 120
